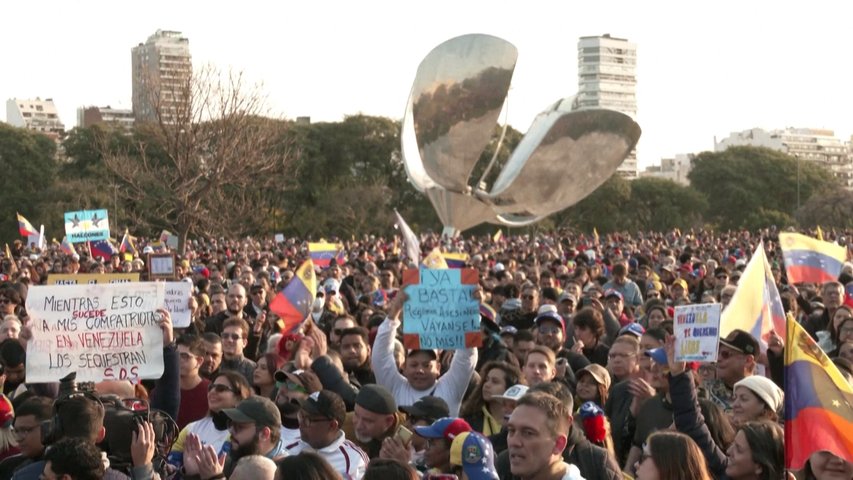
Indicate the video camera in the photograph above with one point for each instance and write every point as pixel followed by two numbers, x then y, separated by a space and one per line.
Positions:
pixel 122 417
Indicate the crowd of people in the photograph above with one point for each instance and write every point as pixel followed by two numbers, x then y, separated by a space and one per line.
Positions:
pixel 575 378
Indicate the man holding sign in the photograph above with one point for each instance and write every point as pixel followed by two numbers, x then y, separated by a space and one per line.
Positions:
pixel 421 370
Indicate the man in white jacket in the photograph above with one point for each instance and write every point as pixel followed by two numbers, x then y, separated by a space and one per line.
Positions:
pixel 421 369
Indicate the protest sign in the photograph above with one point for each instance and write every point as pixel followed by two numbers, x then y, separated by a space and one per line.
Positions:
pixel 102 332
pixel 169 239
pixel 162 266
pixel 279 238
pixel 178 303
pixel 90 278
pixel 697 332
pixel 441 311
pixel 86 225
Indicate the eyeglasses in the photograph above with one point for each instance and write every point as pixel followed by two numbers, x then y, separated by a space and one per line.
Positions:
pixel 231 336
pixel 5 300
pixel 238 427
pixel 726 354
pixel 220 388
pixel 528 297
pixel 308 421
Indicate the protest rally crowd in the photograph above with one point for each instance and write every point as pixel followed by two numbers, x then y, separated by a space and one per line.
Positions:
pixel 575 377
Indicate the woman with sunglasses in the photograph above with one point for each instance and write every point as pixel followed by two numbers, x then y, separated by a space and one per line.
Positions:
pixel 226 390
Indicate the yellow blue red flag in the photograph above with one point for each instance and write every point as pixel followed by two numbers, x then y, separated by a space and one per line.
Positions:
pixel 293 303
pixel 25 228
pixel 818 402
pixel 756 306
pixel 322 253
pixel 435 260
pixel 808 260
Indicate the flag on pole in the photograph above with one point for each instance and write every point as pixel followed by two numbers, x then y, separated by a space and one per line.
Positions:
pixel 819 233
pixel 498 235
pixel 25 228
pixel 818 402
pixel 67 247
pixel 756 306
pixel 128 244
pixel 808 260
pixel 435 260
pixel 322 253
pixel 102 248
pixel 413 245
pixel 595 235
pixel 455 260
pixel 293 303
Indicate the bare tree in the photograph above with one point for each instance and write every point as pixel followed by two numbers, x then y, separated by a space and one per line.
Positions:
pixel 209 163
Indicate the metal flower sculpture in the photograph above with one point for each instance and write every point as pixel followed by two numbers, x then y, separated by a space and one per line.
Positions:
pixel 456 99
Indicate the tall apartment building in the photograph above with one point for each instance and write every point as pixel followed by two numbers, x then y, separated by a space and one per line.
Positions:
pixel 675 169
pixel 607 78
pixel 88 116
pixel 810 144
pixel 161 69
pixel 39 115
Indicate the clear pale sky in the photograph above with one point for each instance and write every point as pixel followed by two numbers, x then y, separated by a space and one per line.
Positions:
pixel 704 69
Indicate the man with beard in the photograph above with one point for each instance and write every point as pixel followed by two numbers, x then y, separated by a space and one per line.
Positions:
pixel 374 418
pixel 13 358
pixel 212 344
pixel 295 388
pixel 235 302
pixel 255 427
pixel 355 355
pixel 320 421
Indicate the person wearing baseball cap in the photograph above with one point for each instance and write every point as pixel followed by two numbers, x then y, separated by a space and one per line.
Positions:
pixel 736 360
pixel 374 418
pixel 421 373
pixel 421 414
pixel 439 437
pixel 320 422
pixel 550 328
pixel 255 427
pixel 472 457
pixel 293 387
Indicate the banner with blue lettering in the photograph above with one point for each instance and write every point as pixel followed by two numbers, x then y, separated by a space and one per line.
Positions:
pixel 441 311
pixel 697 332
pixel 86 225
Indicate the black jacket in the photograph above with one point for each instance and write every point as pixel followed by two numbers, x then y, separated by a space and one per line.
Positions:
pixel 689 420
pixel 594 462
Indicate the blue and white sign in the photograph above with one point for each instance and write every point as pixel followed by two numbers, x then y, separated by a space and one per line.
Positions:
pixel 86 225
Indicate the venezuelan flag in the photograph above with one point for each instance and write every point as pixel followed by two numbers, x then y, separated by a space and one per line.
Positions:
pixel 127 244
pixel 102 248
pixel 818 402
pixel 455 260
pixel 435 260
pixel 498 235
pixel 25 228
pixel 67 247
pixel 811 260
pixel 756 306
pixel 848 295
pixel 293 303
pixel 322 253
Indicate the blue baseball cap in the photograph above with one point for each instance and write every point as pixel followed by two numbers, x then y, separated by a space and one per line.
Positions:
pixel 632 328
pixel 658 355
pixel 474 453
pixel 447 428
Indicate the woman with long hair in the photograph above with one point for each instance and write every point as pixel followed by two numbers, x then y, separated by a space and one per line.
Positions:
pixel 483 412
pixel 671 456
pixel 305 466
pixel 758 449
pixel 226 390
pixel 262 380
pixel 593 385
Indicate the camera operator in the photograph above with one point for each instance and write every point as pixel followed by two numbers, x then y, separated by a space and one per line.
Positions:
pixel 27 427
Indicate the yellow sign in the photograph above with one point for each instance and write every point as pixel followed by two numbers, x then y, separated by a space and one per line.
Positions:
pixel 91 278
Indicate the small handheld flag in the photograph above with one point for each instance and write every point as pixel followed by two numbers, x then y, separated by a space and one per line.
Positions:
pixel 25 228
pixel 293 303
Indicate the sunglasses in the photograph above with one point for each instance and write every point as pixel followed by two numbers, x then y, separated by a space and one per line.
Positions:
pixel 231 336
pixel 220 388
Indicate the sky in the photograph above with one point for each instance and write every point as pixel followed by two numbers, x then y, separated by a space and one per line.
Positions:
pixel 705 69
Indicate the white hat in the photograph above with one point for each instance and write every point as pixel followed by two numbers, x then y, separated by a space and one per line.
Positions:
pixel 148 249
pixel 513 393
pixel 499 267
pixel 765 389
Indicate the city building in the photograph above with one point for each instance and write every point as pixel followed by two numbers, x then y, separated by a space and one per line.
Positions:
pixel 817 145
pixel 607 78
pixel 675 169
pixel 39 115
pixel 88 116
pixel 161 69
